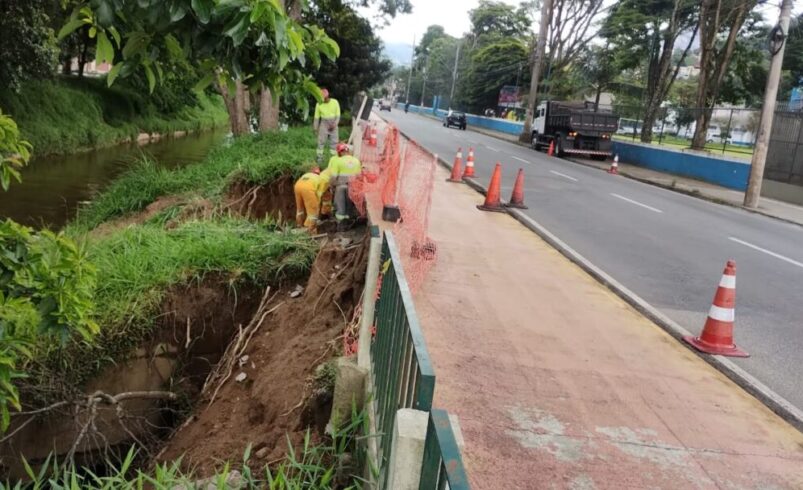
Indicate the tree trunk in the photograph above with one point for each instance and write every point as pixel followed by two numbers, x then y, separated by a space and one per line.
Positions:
pixel 650 114
pixel 597 97
pixel 713 62
pixel 241 106
pixel 235 106
pixel 66 67
pixel 82 59
pixel 268 111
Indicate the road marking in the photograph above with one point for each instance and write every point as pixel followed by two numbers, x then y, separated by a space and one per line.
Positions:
pixel 519 159
pixel 656 210
pixel 768 252
pixel 491 148
pixel 564 176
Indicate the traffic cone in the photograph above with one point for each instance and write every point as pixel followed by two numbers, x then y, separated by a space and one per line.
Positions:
pixel 517 198
pixel 717 335
pixel 373 136
pixel 614 166
pixel 492 201
pixel 469 172
pixel 458 163
pixel 551 150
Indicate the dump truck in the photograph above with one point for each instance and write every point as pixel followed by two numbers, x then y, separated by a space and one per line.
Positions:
pixel 575 128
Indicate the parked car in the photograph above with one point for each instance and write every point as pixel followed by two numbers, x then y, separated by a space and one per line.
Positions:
pixel 384 105
pixel 456 119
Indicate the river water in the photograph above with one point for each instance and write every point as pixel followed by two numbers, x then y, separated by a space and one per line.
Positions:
pixel 53 187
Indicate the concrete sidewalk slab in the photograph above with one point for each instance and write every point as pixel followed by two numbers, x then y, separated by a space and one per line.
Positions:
pixel 560 384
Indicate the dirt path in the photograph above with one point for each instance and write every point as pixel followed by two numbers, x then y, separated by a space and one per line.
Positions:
pixel 559 384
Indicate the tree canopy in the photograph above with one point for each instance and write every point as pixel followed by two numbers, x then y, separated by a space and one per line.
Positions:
pixel 29 45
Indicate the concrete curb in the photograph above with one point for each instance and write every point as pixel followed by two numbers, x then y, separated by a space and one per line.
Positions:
pixel 696 195
pixel 775 402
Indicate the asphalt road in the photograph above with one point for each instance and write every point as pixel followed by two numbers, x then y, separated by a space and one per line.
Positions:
pixel 667 247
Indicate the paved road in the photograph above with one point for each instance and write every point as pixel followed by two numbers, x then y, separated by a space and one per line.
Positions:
pixel 668 248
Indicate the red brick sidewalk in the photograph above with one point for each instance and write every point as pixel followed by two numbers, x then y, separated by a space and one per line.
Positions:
pixel 559 384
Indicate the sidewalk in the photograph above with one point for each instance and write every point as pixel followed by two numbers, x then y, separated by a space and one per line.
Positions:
pixel 559 384
pixel 768 207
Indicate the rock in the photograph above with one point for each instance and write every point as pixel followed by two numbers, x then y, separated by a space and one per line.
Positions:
pixel 297 291
pixel 241 377
pixel 262 453
pixel 243 360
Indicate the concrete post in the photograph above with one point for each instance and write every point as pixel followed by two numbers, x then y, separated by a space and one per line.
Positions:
pixel 369 303
pixel 407 449
pixel 753 193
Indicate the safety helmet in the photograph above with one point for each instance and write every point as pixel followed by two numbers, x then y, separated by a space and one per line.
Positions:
pixel 341 148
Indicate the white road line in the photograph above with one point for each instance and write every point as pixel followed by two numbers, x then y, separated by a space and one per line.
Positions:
pixel 656 210
pixel 491 148
pixel 519 159
pixel 756 247
pixel 563 175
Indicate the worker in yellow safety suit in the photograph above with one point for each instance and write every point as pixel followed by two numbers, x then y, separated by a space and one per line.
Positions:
pixel 343 168
pixel 325 121
pixel 307 200
pixel 325 193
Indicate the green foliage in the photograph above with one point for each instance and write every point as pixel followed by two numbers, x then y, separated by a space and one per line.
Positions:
pixel 309 467
pixel 361 63
pixel 793 53
pixel 497 20
pixel 46 292
pixel 14 151
pixel 28 46
pixel 493 66
pixel 255 158
pixel 67 115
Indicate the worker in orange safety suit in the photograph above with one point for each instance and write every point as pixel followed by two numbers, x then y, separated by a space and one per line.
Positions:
pixel 307 199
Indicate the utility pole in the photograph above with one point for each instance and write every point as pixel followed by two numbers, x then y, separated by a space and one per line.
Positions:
pixel 410 75
pixel 424 86
pixel 546 17
pixel 777 44
pixel 454 73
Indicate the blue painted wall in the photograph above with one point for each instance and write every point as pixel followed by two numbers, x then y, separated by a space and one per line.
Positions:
pixel 732 174
pixel 500 125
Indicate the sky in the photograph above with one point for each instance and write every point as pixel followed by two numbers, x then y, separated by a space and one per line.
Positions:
pixel 451 14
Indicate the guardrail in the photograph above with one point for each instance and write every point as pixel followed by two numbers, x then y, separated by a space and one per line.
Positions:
pixel 442 462
pixel 402 371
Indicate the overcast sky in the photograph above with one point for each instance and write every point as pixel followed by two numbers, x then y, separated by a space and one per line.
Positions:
pixel 451 14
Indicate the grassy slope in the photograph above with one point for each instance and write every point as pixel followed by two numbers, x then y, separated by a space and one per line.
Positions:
pixel 69 115
pixel 258 158
pixel 139 263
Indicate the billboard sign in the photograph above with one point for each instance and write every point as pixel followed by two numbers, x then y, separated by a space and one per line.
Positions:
pixel 509 96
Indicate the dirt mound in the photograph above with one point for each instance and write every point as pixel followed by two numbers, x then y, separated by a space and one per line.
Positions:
pixel 273 402
pixel 276 199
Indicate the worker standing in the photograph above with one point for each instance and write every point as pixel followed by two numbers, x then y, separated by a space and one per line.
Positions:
pixel 343 169
pixel 307 201
pixel 325 121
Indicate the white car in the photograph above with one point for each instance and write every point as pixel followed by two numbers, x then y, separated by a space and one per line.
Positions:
pixel 384 105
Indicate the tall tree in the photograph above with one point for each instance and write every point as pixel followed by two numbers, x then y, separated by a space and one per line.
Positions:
pixel 28 43
pixel 645 32
pixel 361 63
pixel 793 56
pixel 570 31
pixel 718 19
pixel 492 67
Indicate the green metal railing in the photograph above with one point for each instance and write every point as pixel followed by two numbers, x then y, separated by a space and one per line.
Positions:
pixel 404 378
pixel 442 462
pixel 403 374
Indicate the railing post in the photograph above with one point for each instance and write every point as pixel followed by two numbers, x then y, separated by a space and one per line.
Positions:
pixel 368 301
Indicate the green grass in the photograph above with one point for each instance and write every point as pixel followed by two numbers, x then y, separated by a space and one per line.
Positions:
pixel 257 158
pixel 744 152
pixel 66 115
pixel 137 266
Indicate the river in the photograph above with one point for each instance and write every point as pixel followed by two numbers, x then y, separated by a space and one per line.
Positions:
pixel 54 186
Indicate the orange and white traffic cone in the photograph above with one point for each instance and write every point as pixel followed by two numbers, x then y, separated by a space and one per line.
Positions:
pixel 469 172
pixel 551 151
pixel 492 198
pixel 614 166
pixel 717 335
pixel 372 142
pixel 456 167
pixel 517 198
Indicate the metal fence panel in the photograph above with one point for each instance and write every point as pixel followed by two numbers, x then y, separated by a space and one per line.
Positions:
pixel 442 464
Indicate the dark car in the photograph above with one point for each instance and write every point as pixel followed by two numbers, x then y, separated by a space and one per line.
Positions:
pixel 456 119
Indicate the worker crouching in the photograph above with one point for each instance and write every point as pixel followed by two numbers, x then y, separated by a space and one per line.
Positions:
pixel 308 202
pixel 343 169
